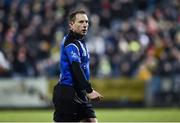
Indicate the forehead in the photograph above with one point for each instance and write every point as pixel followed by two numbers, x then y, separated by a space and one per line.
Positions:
pixel 80 17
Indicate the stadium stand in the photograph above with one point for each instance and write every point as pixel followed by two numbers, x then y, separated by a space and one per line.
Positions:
pixel 129 38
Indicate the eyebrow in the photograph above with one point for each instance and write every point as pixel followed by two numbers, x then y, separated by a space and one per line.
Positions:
pixel 84 20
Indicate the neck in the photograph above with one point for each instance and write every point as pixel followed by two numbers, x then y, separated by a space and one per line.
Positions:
pixel 76 35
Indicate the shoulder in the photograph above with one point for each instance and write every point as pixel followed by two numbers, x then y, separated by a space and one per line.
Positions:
pixel 71 42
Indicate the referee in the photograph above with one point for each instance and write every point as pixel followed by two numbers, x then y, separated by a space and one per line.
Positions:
pixel 73 93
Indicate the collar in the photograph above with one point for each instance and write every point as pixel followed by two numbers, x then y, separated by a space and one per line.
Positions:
pixel 75 35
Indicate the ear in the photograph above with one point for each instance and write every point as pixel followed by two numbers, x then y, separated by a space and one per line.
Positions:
pixel 71 24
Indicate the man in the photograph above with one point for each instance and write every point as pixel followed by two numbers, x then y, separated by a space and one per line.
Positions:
pixel 4 64
pixel 73 93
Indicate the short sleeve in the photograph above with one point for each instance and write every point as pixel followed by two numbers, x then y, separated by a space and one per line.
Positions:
pixel 72 52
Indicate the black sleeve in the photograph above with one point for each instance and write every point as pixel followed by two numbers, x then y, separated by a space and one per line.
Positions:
pixel 80 77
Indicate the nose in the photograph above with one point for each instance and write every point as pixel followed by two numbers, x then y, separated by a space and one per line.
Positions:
pixel 85 25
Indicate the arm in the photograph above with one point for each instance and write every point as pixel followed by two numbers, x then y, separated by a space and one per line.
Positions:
pixel 80 77
pixel 84 84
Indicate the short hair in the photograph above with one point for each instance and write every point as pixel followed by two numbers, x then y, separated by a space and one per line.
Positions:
pixel 72 15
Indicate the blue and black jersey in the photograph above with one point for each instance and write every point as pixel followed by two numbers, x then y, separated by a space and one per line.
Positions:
pixel 74 62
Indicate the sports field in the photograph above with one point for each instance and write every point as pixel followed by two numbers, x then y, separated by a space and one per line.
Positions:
pixel 104 115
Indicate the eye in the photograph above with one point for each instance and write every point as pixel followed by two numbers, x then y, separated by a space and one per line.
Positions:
pixel 81 21
pixel 84 21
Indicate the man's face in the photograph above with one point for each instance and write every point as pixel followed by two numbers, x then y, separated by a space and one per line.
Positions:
pixel 80 24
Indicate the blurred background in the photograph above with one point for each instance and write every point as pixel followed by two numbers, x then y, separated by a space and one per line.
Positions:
pixel 134 47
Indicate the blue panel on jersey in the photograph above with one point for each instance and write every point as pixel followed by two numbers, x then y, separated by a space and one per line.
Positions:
pixel 73 53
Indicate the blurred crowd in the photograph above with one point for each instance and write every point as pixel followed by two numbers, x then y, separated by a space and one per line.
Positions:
pixel 132 38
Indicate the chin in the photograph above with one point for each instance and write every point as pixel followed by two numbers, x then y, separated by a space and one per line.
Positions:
pixel 84 33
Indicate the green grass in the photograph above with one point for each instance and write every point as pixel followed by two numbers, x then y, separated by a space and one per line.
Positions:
pixel 141 115
pixel 104 115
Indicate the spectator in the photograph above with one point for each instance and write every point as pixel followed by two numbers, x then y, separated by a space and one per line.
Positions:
pixel 4 65
pixel 119 44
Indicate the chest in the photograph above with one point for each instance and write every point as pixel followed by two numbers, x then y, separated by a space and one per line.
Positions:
pixel 84 52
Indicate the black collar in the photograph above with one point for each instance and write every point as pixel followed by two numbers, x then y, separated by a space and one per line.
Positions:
pixel 75 35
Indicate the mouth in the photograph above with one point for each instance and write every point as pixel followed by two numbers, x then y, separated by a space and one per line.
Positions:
pixel 84 30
